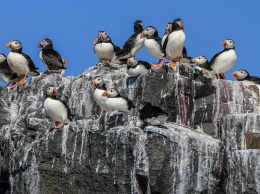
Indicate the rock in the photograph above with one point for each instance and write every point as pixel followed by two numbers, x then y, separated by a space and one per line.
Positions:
pixel 209 144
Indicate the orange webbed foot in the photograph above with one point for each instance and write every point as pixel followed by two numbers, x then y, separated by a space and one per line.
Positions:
pixel 157 65
pixel 22 82
pixel 14 85
pixel 172 64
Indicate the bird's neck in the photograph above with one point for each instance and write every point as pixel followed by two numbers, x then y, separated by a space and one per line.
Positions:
pixel 17 50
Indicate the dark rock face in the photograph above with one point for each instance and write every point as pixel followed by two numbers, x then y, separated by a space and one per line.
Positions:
pixel 209 145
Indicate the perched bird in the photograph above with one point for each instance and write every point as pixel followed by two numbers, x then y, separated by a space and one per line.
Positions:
pixel 6 73
pixel 151 115
pixel 202 62
pixel 99 87
pixel 243 75
pixel 133 44
pixel 117 102
pixel 20 63
pixel 104 48
pixel 224 60
pixel 57 109
pixel 174 43
pixel 153 45
pixel 168 29
pixel 135 67
pixel 51 58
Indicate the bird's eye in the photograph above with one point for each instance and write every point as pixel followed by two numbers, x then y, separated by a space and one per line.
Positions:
pixel 199 57
pixel 230 41
pixel 146 29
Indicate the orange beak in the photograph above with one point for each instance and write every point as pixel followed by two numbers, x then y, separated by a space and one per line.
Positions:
pixel 234 74
pixel 8 45
pixel 93 85
pixel 142 35
pixel 39 45
pixel 95 41
pixel 54 91
pixel 104 93
pixel 65 62
pixel 128 61
pixel 224 43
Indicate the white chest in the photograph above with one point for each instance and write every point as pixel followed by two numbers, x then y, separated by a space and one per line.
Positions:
pixel 40 55
pixel 224 61
pixel 18 63
pixel 139 42
pixel 104 51
pixel 133 72
pixel 175 44
pixel 100 100
pixel 153 48
pixel 117 104
pixel 55 109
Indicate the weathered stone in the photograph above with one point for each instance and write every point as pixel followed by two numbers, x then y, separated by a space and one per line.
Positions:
pixel 206 147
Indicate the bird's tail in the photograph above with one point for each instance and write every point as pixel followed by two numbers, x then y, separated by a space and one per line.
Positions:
pixel 34 73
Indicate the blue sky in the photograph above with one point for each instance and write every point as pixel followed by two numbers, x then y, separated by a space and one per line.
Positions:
pixel 73 25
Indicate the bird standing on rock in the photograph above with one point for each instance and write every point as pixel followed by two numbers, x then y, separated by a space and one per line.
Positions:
pixel 225 59
pixel 153 45
pixel 117 102
pixel 151 115
pixel 136 67
pixel 57 109
pixel 174 43
pixel 104 48
pixel 243 75
pixel 20 63
pixel 99 87
pixel 51 58
pixel 7 75
pixel 133 44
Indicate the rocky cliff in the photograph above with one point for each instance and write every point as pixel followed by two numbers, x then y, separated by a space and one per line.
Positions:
pixel 210 144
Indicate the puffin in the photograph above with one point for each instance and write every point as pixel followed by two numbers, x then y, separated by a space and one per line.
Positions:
pixel 168 29
pixel 104 48
pixel 151 115
pixel 153 45
pixel 51 58
pixel 202 62
pixel 136 67
pixel 225 59
pixel 174 42
pixel 243 75
pixel 133 44
pixel 117 102
pixel 6 73
pixel 20 63
pixel 99 87
pixel 57 109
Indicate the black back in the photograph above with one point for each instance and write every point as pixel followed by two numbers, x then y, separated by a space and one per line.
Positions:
pixel 52 59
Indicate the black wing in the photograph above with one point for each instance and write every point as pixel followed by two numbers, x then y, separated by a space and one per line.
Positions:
pixel 31 63
pixel 165 43
pixel 212 61
pixel 146 64
pixel 128 45
pixel 158 111
pixel 129 103
pixel 254 79
pixel 67 107
pixel 159 41
pixel 5 69
pixel 52 59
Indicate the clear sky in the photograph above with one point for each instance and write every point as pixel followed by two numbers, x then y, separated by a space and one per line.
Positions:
pixel 73 25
